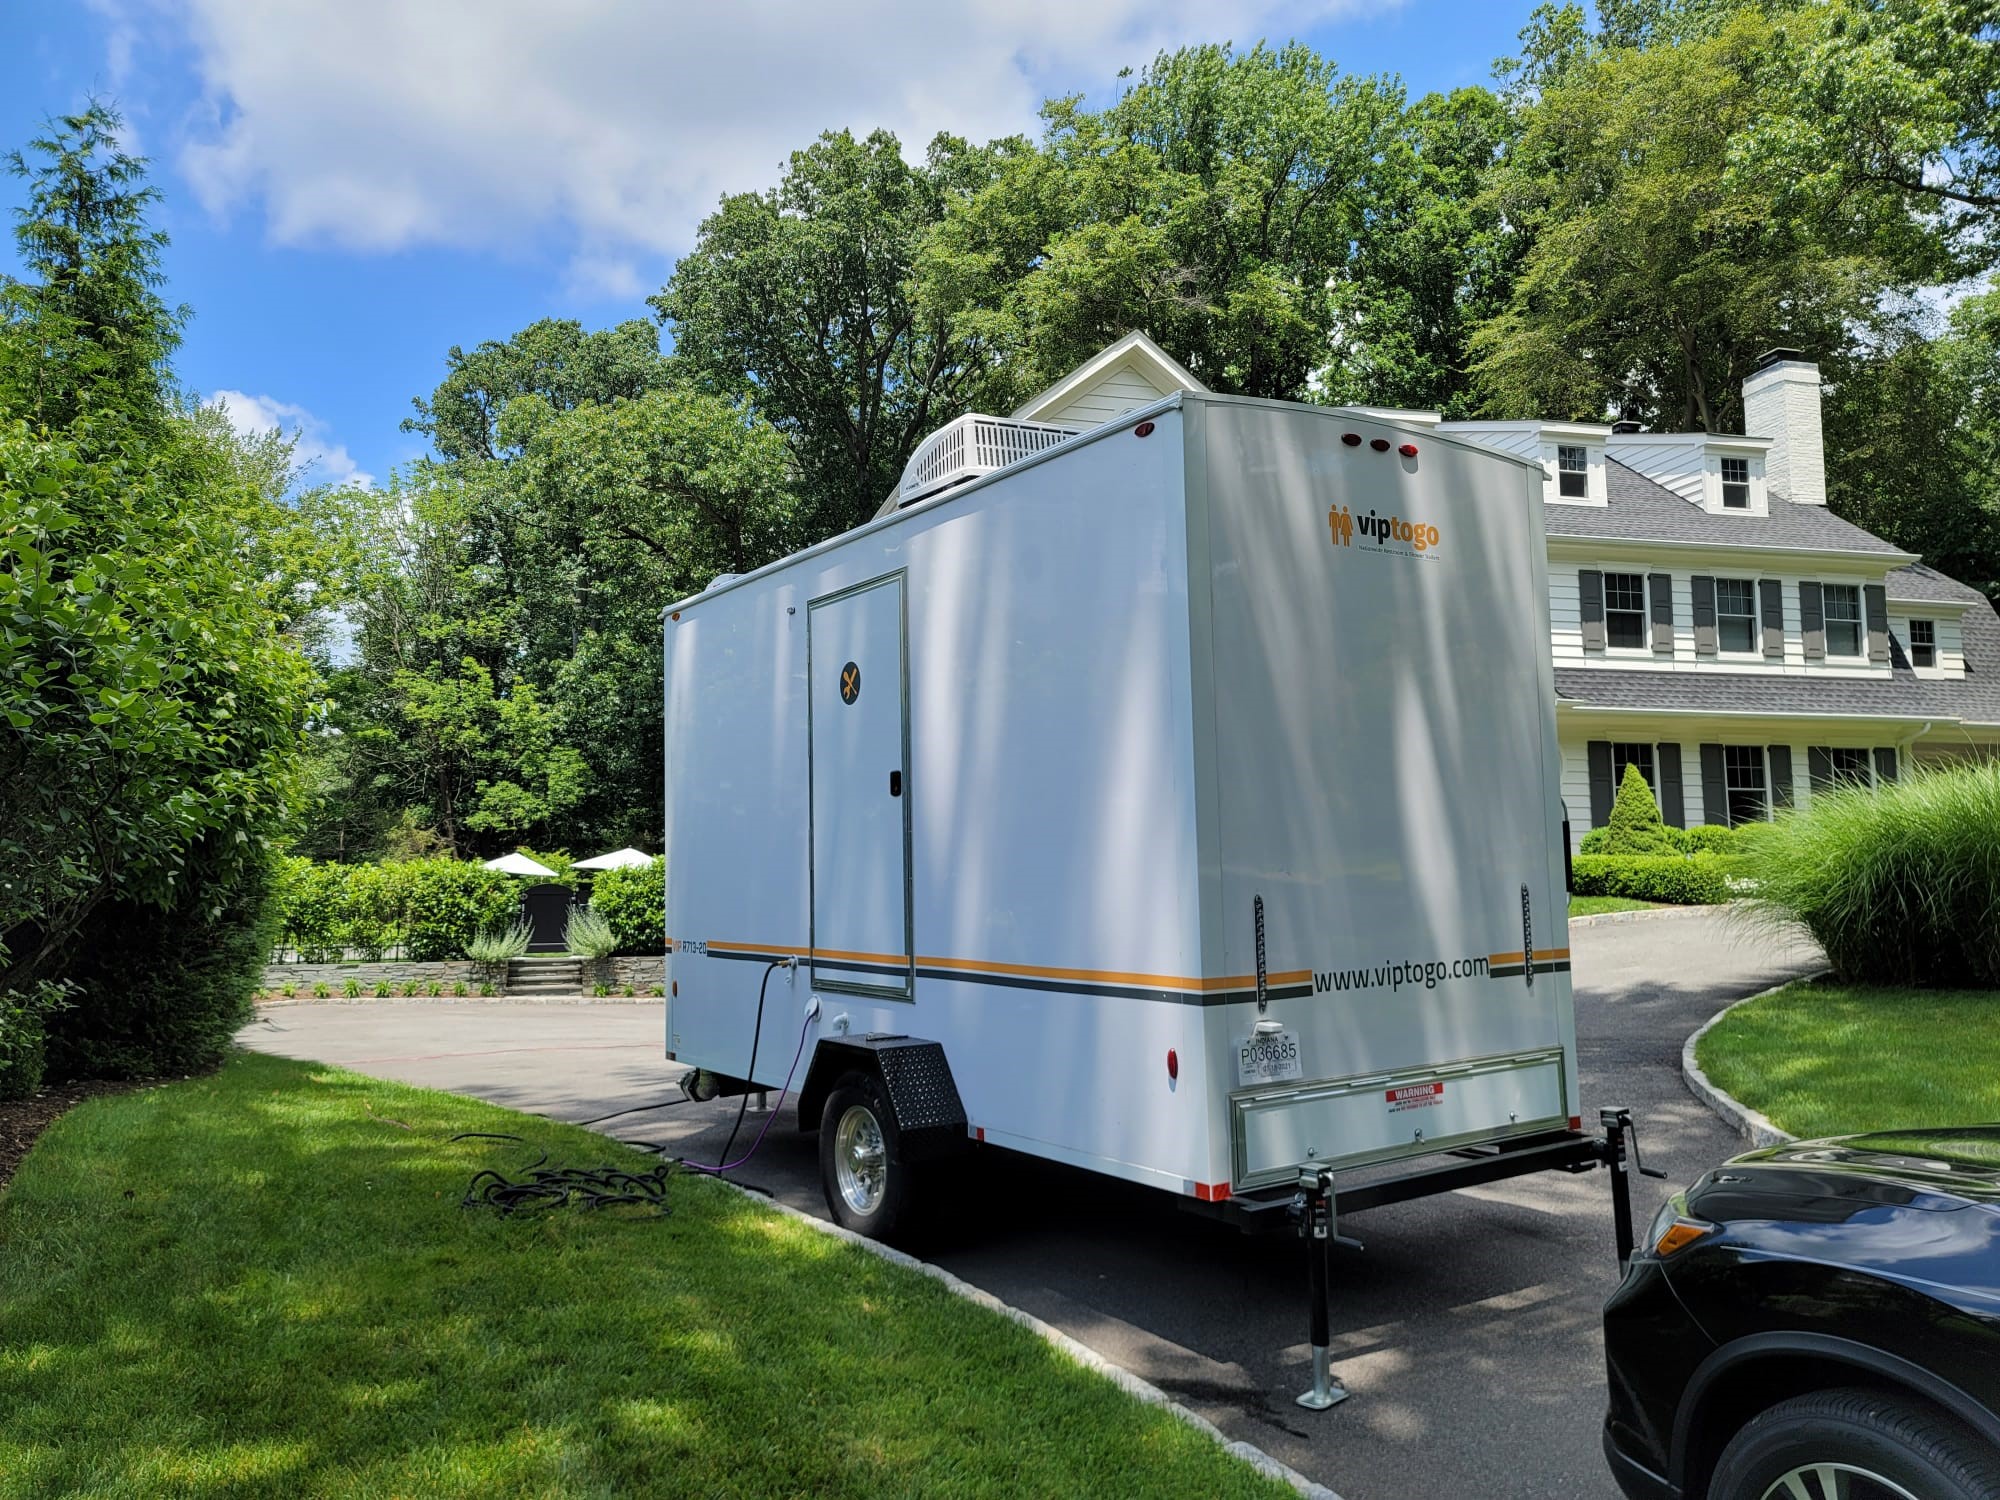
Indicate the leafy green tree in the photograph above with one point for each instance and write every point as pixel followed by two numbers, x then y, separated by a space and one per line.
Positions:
pixel 1431 260
pixel 87 337
pixel 801 295
pixel 1210 204
pixel 1890 103
pixel 554 360
pixel 1654 279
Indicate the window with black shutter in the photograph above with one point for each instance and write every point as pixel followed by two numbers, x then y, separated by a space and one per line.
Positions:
pixel 1625 609
pixel 1736 614
pixel 1743 770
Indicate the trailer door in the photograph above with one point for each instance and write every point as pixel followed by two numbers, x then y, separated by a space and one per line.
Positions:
pixel 858 716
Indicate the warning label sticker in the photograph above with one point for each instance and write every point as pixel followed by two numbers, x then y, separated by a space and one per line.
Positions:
pixel 1415 1095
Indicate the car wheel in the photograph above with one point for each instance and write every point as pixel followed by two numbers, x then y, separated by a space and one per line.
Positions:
pixel 866 1181
pixel 1855 1445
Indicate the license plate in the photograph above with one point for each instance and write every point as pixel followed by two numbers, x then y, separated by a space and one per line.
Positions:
pixel 1268 1057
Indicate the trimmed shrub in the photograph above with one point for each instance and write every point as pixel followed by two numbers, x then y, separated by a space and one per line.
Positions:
pixel 165 991
pixel 1898 884
pixel 1634 826
pixel 311 908
pixel 634 901
pixel 450 902
pixel 1675 879
pixel 24 1035
pixel 1709 838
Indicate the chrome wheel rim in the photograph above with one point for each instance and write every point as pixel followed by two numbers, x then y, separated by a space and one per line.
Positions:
pixel 1835 1481
pixel 860 1162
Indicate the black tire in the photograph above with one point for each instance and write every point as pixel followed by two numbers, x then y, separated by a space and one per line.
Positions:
pixel 874 1199
pixel 1913 1447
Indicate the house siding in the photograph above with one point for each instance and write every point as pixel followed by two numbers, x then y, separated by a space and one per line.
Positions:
pixel 1120 391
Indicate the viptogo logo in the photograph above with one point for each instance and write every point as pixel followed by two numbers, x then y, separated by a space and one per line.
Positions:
pixel 1390 533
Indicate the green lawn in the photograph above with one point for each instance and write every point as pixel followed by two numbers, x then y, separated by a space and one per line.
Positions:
pixel 262 1283
pixel 1823 1059
pixel 1591 906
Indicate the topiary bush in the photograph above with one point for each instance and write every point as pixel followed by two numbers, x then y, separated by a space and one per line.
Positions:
pixel 1898 884
pixel 1634 826
pixel 634 901
pixel 1674 879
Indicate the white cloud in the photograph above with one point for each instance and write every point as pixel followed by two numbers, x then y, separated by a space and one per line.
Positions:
pixel 323 460
pixel 614 125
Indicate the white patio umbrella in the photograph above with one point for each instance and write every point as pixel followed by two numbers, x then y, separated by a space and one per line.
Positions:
pixel 518 864
pixel 617 859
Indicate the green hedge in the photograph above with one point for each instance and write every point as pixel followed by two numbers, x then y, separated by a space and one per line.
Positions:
pixel 634 902
pixel 1898 884
pixel 1703 838
pixel 1675 879
pixel 430 908
pixel 163 992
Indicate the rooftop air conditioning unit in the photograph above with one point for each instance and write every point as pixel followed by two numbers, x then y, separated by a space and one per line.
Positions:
pixel 971 446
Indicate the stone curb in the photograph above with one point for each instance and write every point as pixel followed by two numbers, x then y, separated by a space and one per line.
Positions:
pixel 1754 1127
pixel 1090 1359
pixel 1605 918
pixel 281 1002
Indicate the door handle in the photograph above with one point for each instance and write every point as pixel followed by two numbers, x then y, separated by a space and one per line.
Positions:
pixel 895 783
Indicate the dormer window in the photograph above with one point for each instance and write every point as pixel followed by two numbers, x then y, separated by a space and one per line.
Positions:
pixel 1736 484
pixel 1572 471
pixel 1923 643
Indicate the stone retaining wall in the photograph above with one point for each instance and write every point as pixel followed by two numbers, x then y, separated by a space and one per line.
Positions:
pixel 644 974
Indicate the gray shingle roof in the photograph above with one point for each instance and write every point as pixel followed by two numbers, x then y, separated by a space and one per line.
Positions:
pixel 1899 696
pixel 1919 581
pixel 1642 510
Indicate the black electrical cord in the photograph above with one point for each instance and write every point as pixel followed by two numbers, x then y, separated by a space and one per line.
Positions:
pixel 637 1109
pixel 545 1187
pixel 750 1073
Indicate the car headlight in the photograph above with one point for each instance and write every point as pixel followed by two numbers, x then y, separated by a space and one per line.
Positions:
pixel 1673 1230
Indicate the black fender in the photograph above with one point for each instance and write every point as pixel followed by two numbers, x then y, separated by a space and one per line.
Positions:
pixel 1835 1361
pixel 930 1118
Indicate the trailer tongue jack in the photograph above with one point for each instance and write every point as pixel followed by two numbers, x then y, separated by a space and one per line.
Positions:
pixel 1312 1208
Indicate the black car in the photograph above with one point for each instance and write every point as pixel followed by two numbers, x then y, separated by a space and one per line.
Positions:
pixel 1817 1321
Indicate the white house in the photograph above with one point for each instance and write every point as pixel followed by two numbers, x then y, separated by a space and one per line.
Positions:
pixel 1711 621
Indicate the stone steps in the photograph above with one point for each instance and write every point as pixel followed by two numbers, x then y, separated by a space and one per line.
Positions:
pixel 536 977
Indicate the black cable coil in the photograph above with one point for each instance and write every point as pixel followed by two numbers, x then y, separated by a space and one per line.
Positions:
pixel 539 1186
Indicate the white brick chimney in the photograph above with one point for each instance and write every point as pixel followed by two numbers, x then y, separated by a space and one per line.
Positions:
pixel 1781 402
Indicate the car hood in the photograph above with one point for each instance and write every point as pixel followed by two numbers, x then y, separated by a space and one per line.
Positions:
pixel 1921 1169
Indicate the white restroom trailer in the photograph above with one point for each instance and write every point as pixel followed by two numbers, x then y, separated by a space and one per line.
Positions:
pixel 1179 802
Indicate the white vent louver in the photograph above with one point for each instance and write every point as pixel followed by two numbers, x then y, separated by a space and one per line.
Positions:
pixel 971 446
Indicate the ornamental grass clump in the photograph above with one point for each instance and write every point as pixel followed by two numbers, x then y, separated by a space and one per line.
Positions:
pixel 587 934
pixel 1899 885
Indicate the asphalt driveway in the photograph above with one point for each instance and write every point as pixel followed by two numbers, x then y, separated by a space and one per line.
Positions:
pixel 1467 1329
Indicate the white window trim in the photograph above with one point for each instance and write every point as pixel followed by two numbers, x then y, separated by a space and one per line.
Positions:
pixel 1711 481
pixel 1755 650
pixel 1860 623
pixel 1595 490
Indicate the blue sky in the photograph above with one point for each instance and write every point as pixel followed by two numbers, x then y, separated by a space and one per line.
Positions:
pixel 353 186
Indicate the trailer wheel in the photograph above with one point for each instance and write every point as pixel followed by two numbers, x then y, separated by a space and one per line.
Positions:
pixel 866 1181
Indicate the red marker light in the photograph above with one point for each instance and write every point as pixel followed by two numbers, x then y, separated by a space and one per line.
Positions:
pixel 1380 445
pixel 1173 1064
pixel 1352 439
pixel 1408 450
pixel 1144 429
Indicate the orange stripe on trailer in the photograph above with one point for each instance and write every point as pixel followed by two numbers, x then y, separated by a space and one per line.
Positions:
pixel 1547 953
pixel 1030 971
pixel 1501 960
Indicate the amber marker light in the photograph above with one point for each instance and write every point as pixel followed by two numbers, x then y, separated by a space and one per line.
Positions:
pixel 1680 1234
